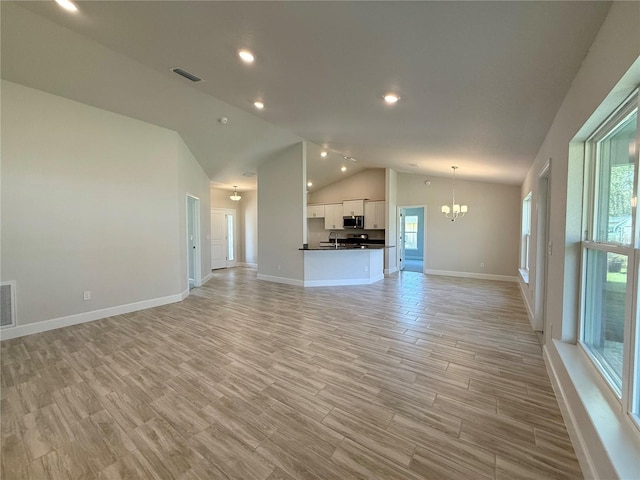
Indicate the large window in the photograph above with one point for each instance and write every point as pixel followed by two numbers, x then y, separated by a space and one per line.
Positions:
pixel 411 232
pixel 525 247
pixel 610 254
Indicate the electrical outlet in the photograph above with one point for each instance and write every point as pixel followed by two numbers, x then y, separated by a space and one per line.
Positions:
pixel 279 267
pixel 87 295
pixel 366 268
pixel 481 264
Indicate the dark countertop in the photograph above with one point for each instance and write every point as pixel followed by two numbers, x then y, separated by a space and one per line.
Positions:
pixel 349 247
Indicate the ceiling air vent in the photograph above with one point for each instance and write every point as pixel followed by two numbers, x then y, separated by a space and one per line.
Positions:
pixel 187 75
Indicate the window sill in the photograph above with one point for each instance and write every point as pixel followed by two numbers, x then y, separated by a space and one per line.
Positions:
pixel 524 275
pixel 616 432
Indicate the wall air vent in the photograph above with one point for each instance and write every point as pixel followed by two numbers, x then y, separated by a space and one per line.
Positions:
pixel 248 174
pixel 7 304
pixel 187 75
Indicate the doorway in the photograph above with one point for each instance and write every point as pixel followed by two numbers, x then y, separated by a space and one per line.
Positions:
pixel 412 238
pixel 542 249
pixel 193 241
pixel 223 238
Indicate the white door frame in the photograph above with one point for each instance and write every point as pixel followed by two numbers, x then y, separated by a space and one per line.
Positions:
pixel 195 249
pixel 232 212
pixel 400 241
pixel 542 245
pixel 227 212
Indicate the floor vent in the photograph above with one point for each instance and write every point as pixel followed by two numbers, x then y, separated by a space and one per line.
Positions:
pixel 183 73
pixel 7 304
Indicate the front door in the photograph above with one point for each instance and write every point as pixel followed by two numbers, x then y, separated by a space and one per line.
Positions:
pixel 218 239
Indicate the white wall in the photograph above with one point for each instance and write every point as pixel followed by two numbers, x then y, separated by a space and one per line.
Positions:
pixel 250 227
pixel 367 184
pixel 488 234
pixel 391 220
pixel 281 215
pixel 603 437
pixel 193 181
pixel 91 200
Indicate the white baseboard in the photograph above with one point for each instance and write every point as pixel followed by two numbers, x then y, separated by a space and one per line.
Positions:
pixel 527 305
pixel 247 264
pixel 287 281
pixel 206 278
pixel 46 325
pixel 339 283
pixel 479 276
pixel 390 271
pixel 575 434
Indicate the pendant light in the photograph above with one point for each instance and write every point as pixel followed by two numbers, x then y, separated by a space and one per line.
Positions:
pixel 235 197
pixel 456 210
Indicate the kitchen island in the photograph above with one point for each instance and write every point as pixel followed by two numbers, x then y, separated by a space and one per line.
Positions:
pixel 345 265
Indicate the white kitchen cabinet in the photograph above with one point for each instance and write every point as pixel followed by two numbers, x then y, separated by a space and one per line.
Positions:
pixel 352 208
pixel 315 211
pixel 374 215
pixel 333 216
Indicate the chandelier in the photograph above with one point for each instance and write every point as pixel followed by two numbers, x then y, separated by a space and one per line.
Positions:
pixel 235 197
pixel 455 210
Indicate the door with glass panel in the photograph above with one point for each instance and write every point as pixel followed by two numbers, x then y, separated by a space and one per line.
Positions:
pixel 412 244
pixel 223 238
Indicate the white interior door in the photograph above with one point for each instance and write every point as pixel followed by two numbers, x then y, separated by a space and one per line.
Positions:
pixel 400 242
pixel 193 241
pixel 542 249
pixel 218 239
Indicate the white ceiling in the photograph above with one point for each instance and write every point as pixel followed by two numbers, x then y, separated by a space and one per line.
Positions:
pixel 480 81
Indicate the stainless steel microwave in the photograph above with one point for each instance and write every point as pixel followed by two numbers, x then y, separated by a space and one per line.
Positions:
pixel 356 221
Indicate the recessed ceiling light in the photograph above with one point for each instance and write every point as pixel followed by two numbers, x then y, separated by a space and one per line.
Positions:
pixel 246 56
pixel 309 184
pixel 343 169
pixel 258 104
pixel 67 5
pixel 324 154
pixel 391 98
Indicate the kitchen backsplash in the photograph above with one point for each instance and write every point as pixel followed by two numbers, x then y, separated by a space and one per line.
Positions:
pixel 317 233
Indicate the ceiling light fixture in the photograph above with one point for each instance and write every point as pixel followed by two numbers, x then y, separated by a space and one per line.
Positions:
pixel 391 98
pixel 309 184
pixel 258 104
pixel 235 197
pixel 324 154
pixel 67 5
pixel 456 210
pixel 223 120
pixel 343 169
pixel 246 56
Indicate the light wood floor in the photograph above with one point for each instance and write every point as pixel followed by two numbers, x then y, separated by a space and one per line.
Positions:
pixel 414 377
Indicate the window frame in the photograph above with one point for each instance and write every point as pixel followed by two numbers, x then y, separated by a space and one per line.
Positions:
pixel 526 217
pixel 414 232
pixel 628 397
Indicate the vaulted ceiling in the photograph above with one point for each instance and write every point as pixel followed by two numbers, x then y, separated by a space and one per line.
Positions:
pixel 480 82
